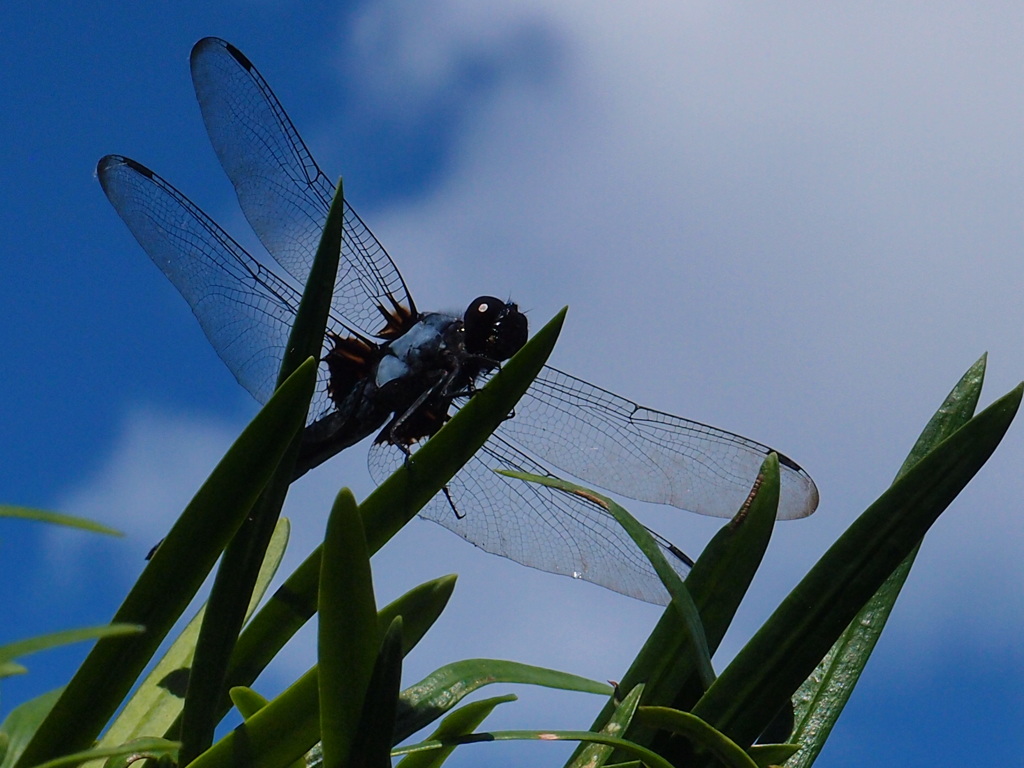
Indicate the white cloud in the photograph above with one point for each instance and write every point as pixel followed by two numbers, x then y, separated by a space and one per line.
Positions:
pixel 810 220
pixel 157 462
pixel 418 51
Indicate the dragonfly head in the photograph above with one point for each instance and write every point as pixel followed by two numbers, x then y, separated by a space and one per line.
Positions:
pixel 495 329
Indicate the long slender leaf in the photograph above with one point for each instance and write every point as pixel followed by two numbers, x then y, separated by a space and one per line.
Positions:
pixel 56 518
pixel 22 722
pixel 21 648
pixel 681 601
pixel 348 634
pixel 422 604
pixel 247 701
pixel 174 574
pixel 289 725
pixel 718 581
pixel 460 722
pixel 396 500
pixel 797 636
pixel 11 669
pixel 157 702
pixel 419 608
pixel 727 752
pixel 822 697
pixel 649 758
pixel 371 747
pixel 429 699
pixel 236 576
pixel 129 753
pixel 595 755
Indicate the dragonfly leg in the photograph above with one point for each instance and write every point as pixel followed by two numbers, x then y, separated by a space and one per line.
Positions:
pixel 427 413
pixel 451 503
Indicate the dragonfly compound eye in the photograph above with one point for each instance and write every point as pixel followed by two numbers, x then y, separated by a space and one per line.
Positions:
pixel 495 329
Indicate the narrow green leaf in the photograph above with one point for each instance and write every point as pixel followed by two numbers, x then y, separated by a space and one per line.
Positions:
pixel 460 722
pixel 956 410
pixel 300 705
pixel 371 746
pixel 718 581
pixel 10 669
pixel 427 700
pixel 348 635
pixel 824 694
pixel 21 648
pixel 22 722
pixel 278 734
pixel 595 755
pixel 649 758
pixel 236 576
pixel 56 518
pixel 138 749
pixel 681 601
pixel 289 726
pixel 397 500
pixel 156 703
pixel 419 608
pixel 247 701
pixel 767 755
pixel 174 574
pixel 784 652
pixel 699 733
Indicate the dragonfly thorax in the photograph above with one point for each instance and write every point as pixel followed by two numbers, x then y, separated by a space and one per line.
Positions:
pixel 434 343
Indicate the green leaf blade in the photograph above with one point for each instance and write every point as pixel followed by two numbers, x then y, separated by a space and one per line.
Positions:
pixel 793 641
pixel 649 758
pixel 419 608
pixel 461 722
pixel 56 518
pixel 432 697
pixel 22 722
pixel 823 696
pixel 174 574
pixel 595 755
pixel 243 557
pixel 155 706
pixel 681 601
pixel 20 648
pixel 374 736
pixel 348 632
pixel 699 733
pixel 717 582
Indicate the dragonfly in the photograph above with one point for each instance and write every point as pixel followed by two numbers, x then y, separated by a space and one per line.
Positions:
pixel 388 368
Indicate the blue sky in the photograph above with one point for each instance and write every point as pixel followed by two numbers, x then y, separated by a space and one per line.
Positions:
pixel 795 224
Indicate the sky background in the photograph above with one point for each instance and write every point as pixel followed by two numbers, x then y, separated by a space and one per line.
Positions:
pixel 801 224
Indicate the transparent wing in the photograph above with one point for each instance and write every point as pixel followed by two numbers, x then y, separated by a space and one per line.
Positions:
pixel 245 310
pixel 535 525
pixel 589 433
pixel 611 443
pixel 615 444
pixel 283 193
